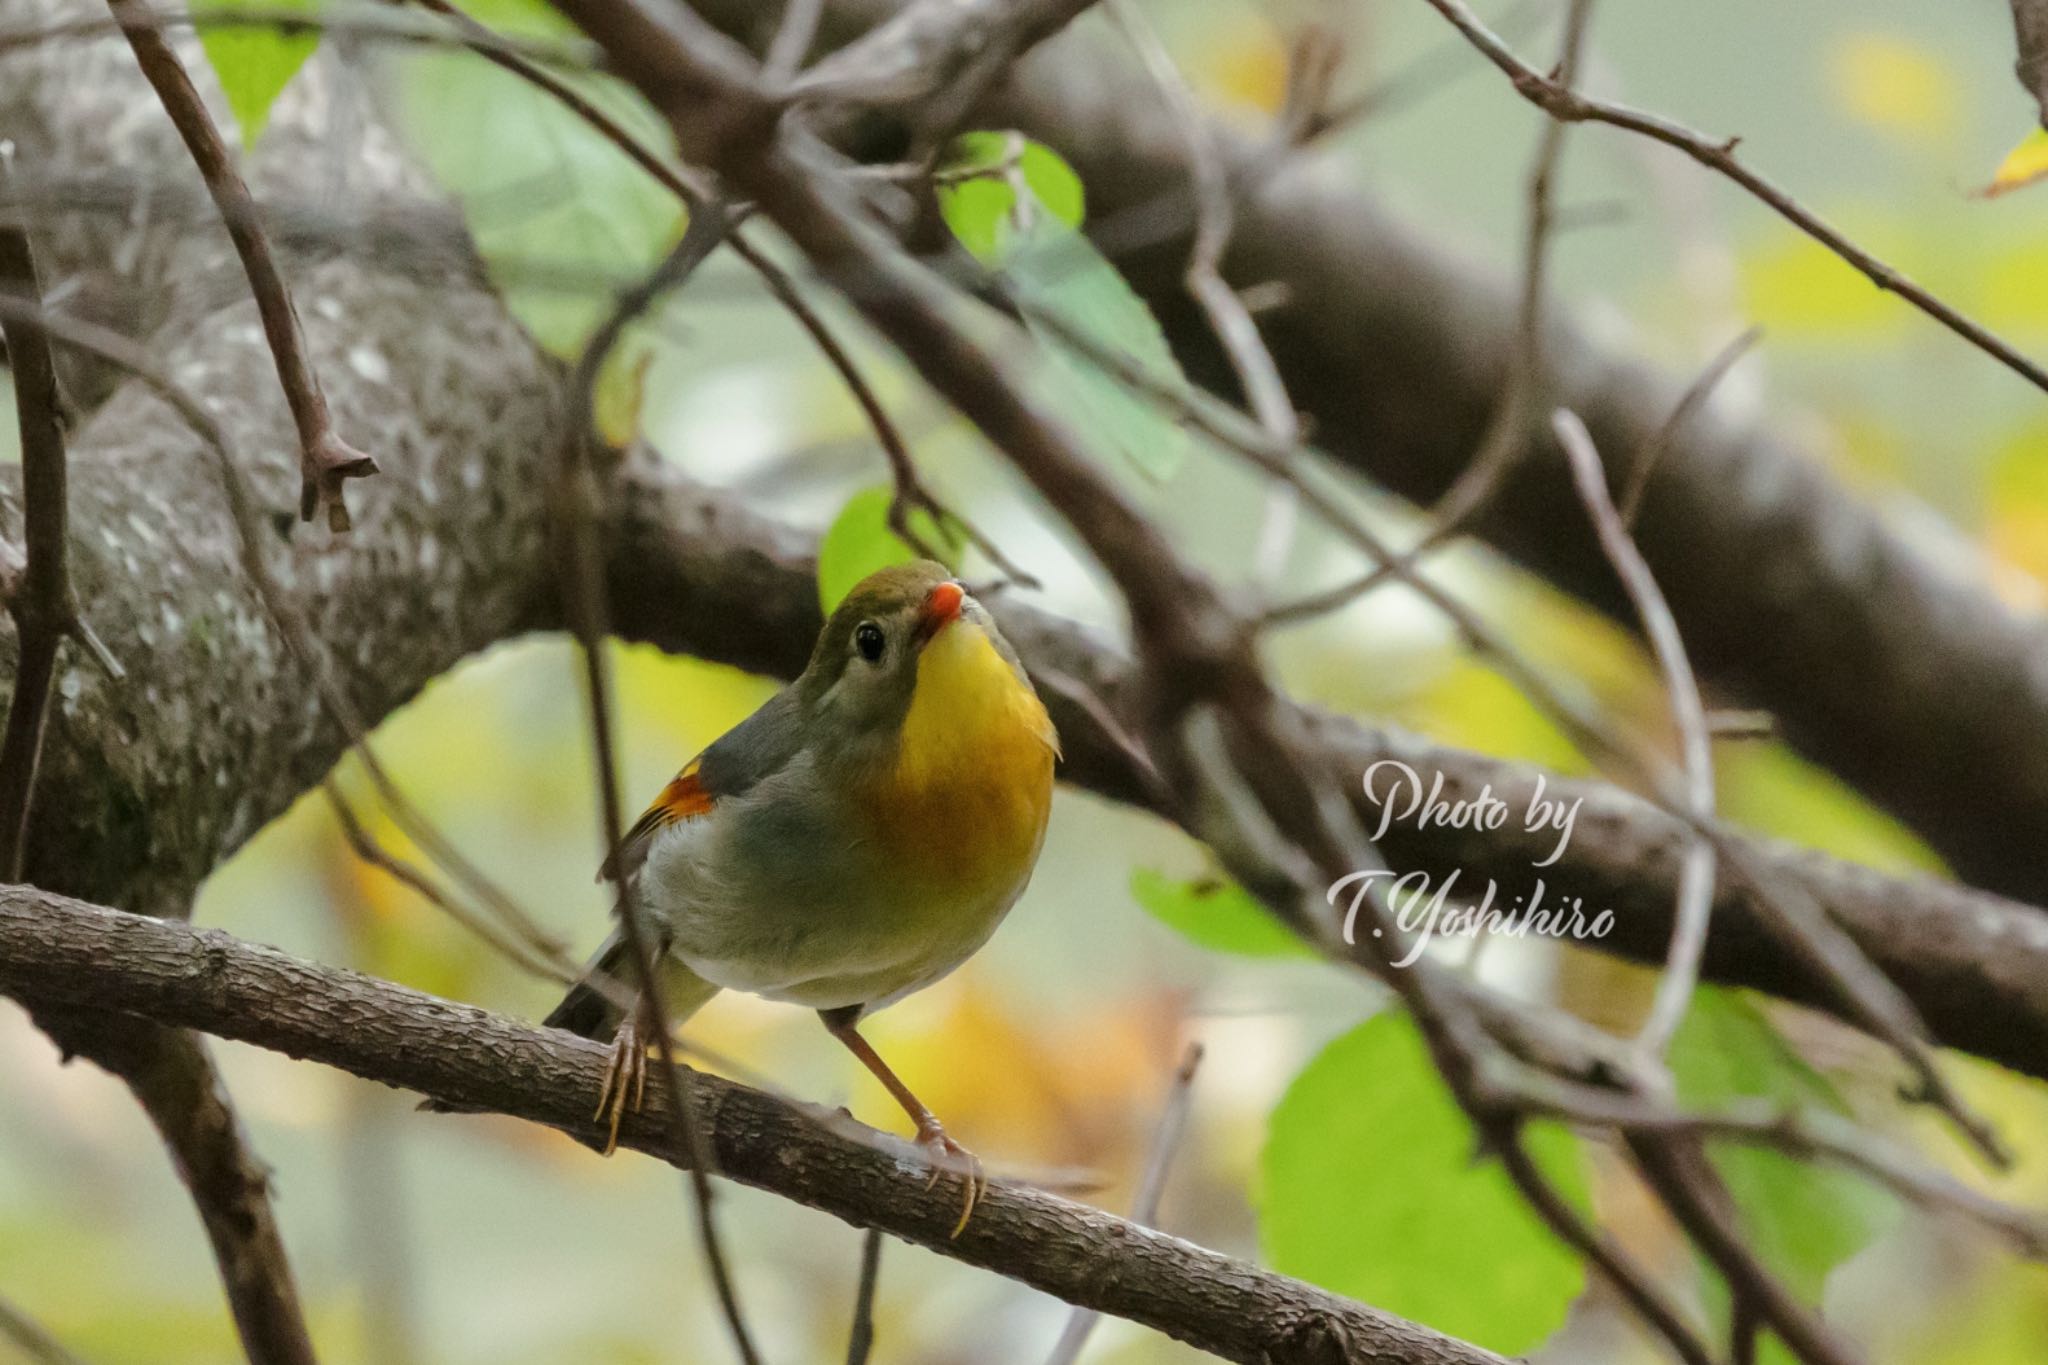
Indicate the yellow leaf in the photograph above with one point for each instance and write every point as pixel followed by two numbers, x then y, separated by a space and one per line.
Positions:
pixel 1887 82
pixel 2023 165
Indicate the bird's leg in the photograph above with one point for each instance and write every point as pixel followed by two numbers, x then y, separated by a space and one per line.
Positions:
pixel 625 1076
pixel 931 1135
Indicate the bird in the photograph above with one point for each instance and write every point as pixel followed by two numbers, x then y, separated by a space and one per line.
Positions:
pixel 854 840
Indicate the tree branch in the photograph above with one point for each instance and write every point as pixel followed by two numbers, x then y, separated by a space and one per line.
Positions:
pixel 173 1077
pixel 61 952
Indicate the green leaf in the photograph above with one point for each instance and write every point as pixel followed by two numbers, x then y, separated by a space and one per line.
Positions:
pixel 1369 1187
pixel 978 194
pixel 859 542
pixel 254 61
pixel 1022 217
pixel 561 216
pixel 1803 1219
pixel 1215 914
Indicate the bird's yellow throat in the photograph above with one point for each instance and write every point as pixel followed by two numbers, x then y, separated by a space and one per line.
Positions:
pixel 973 769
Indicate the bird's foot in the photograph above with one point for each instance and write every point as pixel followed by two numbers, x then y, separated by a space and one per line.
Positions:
pixel 948 1155
pixel 624 1083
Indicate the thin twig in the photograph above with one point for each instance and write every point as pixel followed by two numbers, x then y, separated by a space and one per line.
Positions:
pixel 1166 1135
pixel 39 597
pixel 1628 1277
pixel 860 1338
pixel 1215 219
pixel 30 1338
pixel 577 496
pixel 368 849
pixel 1507 434
pixel 1568 106
pixel 326 461
pixel 1689 402
pixel 1695 902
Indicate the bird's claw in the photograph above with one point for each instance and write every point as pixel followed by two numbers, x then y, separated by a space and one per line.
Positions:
pixel 624 1083
pixel 946 1154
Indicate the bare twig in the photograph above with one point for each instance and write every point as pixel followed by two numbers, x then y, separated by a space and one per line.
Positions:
pixel 1566 105
pixel 577 496
pixel 1166 1135
pixel 860 1338
pixel 1229 318
pixel 1677 1169
pixel 326 461
pixel 1688 713
pixel 29 1337
pixel 1507 434
pixel 39 597
pixel 367 848
pixel 1215 216
pixel 173 1076
pixel 1690 402
pixel 1636 1285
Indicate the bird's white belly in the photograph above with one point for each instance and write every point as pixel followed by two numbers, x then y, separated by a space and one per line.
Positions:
pixel 820 928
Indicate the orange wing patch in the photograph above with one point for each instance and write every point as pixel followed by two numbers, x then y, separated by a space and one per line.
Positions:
pixel 682 799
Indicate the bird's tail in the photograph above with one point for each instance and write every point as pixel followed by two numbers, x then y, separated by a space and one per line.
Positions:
pixel 592 1008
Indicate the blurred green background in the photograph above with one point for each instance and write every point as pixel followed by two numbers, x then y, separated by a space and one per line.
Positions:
pixel 471 1239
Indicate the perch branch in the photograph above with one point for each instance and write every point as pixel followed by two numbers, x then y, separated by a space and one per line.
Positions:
pixel 67 953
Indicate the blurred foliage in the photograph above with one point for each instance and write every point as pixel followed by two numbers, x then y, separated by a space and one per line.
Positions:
pixel 1216 914
pixel 1372 1184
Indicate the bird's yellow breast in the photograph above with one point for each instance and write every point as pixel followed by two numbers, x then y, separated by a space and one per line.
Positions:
pixel 964 805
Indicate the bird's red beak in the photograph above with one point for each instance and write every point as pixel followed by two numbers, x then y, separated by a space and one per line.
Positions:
pixel 941 609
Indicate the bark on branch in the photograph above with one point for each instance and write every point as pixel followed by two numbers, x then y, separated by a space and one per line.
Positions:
pixel 61 952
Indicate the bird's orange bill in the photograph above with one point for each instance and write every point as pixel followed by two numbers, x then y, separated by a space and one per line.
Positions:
pixel 684 797
pixel 941 608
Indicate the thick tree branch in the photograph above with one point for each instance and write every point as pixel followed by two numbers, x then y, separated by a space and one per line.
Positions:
pixel 65 953
pixel 173 1077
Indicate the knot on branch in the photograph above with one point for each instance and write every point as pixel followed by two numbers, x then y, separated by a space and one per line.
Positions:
pixel 325 466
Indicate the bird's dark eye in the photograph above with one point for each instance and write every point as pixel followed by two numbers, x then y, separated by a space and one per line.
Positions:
pixel 869 640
